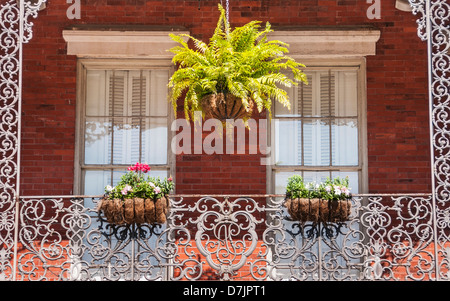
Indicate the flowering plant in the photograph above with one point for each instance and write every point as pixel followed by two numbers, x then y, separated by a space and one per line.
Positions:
pixel 134 184
pixel 336 189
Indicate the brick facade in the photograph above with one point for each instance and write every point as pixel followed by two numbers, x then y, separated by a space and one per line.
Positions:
pixel 397 106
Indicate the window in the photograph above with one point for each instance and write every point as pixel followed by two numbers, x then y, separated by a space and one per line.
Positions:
pixel 124 120
pixel 320 136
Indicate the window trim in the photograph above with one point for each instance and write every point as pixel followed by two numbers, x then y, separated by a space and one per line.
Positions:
pixel 131 41
pixel 328 42
pixel 362 167
pixel 84 64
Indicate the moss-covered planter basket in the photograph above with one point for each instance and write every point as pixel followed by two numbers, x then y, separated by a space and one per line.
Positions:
pixel 318 210
pixel 135 211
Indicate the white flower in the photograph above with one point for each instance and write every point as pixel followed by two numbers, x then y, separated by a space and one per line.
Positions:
pixel 346 191
pixel 337 190
pixel 328 188
pixel 151 184
pixel 109 188
pixel 157 190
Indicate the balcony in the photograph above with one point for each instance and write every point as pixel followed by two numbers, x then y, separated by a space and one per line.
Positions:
pixel 226 237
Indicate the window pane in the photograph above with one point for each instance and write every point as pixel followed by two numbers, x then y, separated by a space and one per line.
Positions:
pixel 95 181
pixel 154 141
pixel 315 176
pixel 347 94
pixel 282 111
pixel 97 140
pixel 345 142
pixel 281 179
pixel 288 142
pixel 138 140
pixel 126 133
pixel 158 173
pixel 316 139
pixel 96 103
pixel 353 179
pixel 158 92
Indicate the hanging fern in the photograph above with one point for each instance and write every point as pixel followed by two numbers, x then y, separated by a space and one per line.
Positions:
pixel 242 62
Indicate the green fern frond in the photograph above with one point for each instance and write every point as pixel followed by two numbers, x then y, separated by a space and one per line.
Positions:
pixel 242 62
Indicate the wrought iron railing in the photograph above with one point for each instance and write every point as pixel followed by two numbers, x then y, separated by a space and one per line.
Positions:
pixel 226 237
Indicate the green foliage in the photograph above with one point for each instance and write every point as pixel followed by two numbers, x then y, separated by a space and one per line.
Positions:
pixel 242 62
pixel 134 184
pixel 335 189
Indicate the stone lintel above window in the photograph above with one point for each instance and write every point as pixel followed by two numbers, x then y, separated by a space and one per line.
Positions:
pixel 121 42
pixel 328 42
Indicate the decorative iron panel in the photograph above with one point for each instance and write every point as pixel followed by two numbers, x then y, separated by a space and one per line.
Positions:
pixel 228 238
pixel 16 29
pixel 434 28
pixel 58 238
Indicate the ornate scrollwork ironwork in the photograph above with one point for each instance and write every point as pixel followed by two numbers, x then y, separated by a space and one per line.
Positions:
pixel 15 30
pixel 434 28
pixel 220 237
pixel 387 237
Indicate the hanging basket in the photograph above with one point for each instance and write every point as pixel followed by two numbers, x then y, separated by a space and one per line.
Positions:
pixel 318 210
pixel 135 211
pixel 225 106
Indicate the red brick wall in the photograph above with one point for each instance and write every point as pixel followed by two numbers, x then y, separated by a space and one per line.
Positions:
pixel 397 110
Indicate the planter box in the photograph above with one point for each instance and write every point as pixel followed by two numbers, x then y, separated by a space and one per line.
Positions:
pixel 135 211
pixel 318 210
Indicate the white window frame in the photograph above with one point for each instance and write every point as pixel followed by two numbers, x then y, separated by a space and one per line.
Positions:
pixel 85 64
pixel 362 170
pixel 127 48
pixel 111 64
pixel 323 47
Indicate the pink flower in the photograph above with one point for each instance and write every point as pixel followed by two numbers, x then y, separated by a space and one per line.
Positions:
pixel 170 179
pixel 157 190
pixel 139 167
pixel 126 189
pixel 145 168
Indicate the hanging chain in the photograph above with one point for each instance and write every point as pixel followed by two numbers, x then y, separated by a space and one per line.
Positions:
pixel 227 11
pixel 227 6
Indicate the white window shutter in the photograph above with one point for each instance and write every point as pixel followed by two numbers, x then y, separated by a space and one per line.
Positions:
pixel 137 108
pixel 117 110
pixel 116 93
pixel 327 104
pixel 327 94
pixel 305 107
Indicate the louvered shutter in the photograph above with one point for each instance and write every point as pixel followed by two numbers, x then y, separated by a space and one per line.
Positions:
pixel 137 103
pixel 326 102
pixel 306 96
pixel 310 109
pixel 318 101
pixel 117 85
